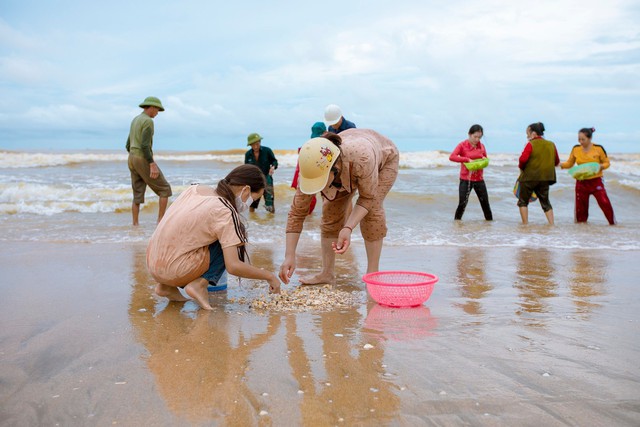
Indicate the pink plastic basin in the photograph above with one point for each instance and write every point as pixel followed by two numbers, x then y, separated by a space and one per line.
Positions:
pixel 400 288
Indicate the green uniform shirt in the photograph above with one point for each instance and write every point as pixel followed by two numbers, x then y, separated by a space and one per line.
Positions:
pixel 266 159
pixel 140 141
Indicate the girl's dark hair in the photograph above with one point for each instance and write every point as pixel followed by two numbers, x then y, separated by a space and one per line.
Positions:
pixel 476 128
pixel 588 132
pixel 333 137
pixel 537 128
pixel 250 175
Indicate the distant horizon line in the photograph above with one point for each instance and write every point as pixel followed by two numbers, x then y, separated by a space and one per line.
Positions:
pixel 235 151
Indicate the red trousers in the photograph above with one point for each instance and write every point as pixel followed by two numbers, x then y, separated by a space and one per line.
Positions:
pixel 594 187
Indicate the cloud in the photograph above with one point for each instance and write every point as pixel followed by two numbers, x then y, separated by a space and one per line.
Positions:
pixel 12 39
pixel 23 70
pixel 414 69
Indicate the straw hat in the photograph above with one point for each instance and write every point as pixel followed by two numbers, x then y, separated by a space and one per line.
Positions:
pixel 316 158
pixel 332 114
pixel 152 101
pixel 253 138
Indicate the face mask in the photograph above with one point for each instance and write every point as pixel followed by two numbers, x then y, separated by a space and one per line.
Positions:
pixel 241 205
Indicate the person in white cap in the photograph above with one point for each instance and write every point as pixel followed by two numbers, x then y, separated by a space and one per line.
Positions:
pixel 334 120
pixel 338 166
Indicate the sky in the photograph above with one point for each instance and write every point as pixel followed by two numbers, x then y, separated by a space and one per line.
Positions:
pixel 72 73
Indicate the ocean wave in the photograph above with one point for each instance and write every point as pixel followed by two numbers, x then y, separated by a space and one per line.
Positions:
pixel 425 159
pixel 109 196
pixel 43 199
pixel 38 160
pixel 35 160
pixel 629 168
pixel 628 165
pixel 286 158
pixel 635 185
pixel 50 200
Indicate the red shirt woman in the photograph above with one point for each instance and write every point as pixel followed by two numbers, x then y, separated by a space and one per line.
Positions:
pixel 468 150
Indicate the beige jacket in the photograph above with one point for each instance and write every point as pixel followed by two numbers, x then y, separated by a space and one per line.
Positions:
pixel 364 153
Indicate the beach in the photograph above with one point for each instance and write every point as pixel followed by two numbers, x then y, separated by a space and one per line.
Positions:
pixel 527 325
pixel 85 342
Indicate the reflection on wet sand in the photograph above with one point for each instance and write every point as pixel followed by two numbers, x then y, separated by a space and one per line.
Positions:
pixel 346 384
pixel 399 324
pixel 198 370
pixel 589 278
pixel 212 366
pixel 347 270
pixel 471 279
pixel 535 284
pixel 262 256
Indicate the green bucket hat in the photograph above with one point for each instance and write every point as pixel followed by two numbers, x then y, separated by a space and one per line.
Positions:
pixel 253 138
pixel 152 101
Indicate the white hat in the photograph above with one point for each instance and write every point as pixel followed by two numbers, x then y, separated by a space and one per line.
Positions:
pixel 316 158
pixel 332 114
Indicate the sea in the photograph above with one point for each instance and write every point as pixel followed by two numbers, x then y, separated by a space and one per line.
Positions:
pixel 85 197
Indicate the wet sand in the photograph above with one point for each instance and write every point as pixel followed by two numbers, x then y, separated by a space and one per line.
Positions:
pixel 509 337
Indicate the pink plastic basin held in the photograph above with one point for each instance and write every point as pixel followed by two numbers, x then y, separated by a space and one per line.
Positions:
pixel 400 288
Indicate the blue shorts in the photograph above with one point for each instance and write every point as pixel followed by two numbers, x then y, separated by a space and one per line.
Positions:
pixel 216 264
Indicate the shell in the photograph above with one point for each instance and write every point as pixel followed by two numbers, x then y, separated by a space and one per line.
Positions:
pixel 305 298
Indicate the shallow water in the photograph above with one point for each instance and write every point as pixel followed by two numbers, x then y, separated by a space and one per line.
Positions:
pixel 531 325
pixel 85 197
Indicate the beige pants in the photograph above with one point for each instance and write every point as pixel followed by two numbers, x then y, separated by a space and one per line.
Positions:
pixel 374 225
pixel 141 177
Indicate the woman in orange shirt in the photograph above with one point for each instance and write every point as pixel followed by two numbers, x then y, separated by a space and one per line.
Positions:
pixel 586 152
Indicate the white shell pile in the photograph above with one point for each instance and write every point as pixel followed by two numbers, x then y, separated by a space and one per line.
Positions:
pixel 304 298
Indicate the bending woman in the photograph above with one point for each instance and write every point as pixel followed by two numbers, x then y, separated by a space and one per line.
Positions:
pixel 201 235
pixel 338 166
pixel 586 152
pixel 468 150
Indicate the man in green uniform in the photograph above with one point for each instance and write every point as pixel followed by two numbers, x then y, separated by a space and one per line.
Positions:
pixel 144 170
pixel 264 158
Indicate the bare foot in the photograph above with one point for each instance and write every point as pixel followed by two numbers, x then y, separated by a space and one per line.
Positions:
pixel 197 290
pixel 170 292
pixel 318 279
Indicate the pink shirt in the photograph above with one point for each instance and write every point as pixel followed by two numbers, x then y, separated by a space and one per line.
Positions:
pixel 178 251
pixel 465 152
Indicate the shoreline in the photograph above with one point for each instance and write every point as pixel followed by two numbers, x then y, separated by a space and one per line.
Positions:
pixel 526 336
